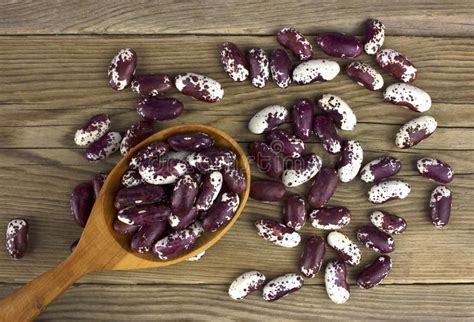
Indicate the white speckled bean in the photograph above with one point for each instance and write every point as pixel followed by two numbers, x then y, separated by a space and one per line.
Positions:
pixel 95 128
pixel 196 257
pixel 235 64
pixel 408 96
pixel 301 170
pixel 396 65
pixel 17 238
pixel 277 233
pixel 335 279
pixel 259 67
pixel 388 190
pixel 415 131
pixel 282 286
pixel 440 206
pixel 374 36
pixel 246 284
pixel 365 75
pixel 387 222
pixel 345 248
pixel 350 161
pixel 200 87
pixel 339 111
pixel 315 70
pixel 103 147
pixel 268 118
pixel 122 68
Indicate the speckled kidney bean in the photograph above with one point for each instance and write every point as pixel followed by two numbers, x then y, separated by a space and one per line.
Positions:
pixel 276 233
pixel 302 117
pixel 146 236
pixel 338 110
pixel 180 221
pixel 388 190
pixel 190 141
pixel 151 85
pixel 285 143
pixel 365 75
pixel 211 159
pixel 374 36
pixel 315 70
pixel 387 222
pixel 259 67
pixel 209 190
pixel 98 182
pixel 375 272
pixel 93 130
pixel 235 64
pixel 159 108
pixel 122 69
pixel 350 160
pixel 380 168
pixel 301 170
pixel 268 118
pixel 339 45
pixel 440 206
pixel 154 150
pixel 200 87
pixel 375 239
pixel 311 259
pixel 295 42
pixel 221 212
pixel 280 68
pixel 347 250
pixel 408 96
pixel 123 228
pixel 326 132
pixel 103 147
pixel 282 286
pixel 138 195
pixel 323 187
pixel 330 218
pixel 266 159
pixel 73 246
pixel 294 212
pixel 396 65
pixel 155 171
pixel 144 214
pixel 415 131
pixel 184 193
pixel 136 133
pixel 267 190
pixel 17 238
pixel 177 242
pixel 246 284
pixel 335 279
pixel 82 201
pixel 435 169
pixel 132 178
pixel 196 257
pixel 234 180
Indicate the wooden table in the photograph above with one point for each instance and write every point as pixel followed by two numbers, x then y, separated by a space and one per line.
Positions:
pixel 53 78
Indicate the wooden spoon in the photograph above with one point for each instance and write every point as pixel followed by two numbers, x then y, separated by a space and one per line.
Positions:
pixel 101 248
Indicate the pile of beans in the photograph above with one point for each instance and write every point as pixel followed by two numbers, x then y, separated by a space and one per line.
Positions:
pixel 281 155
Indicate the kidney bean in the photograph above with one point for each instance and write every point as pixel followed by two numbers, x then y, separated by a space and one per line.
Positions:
pixel 315 70
pixel 339 45
pixel 159 108
pixel 132 178
pixel 17 238
pixel 155 171
pixel 374 36
pixel 380 168
pixel 396 64
pixel 73 246
pixel 311 259
pixel 330 218
pixel 246 284
pixel 196 257
pixel 184 193
pixel 375 239
pixel 365 75
pixel 302 116
pixel 415 131
pixel 190 141
pixel 388 190
pixel 280 68
pixel 212 159
pixel 323 188
pixel 268 118
pixel 209 190
pixel 154 150
pixel 98 182
pixel 103 147
pixel 350 160
pixel 200 87
pixel 136 133
pixel 285 143
pixel 282 286
pixel 387 222
pixel 326 132
pixel 235 64
pixel 151 85
pixel 375 273
pixel 435 169
pixel 144 214
pixel 93 130
pixel 259 67
pixel 408 96
pixel 177 242
pixel 295 42
pixel 267 190
pixel 277 233
pixel 138 195
pixel 294 212
pixel 123 228
pixel 221 212
pixel 338 110
pixel 266 159
pixel 335 279
pixel 145 237
pixel 301 170
pixel 122 68
pixel 182 220
pixel 344 247
pixel 440 206
pixel 234 180
pixel 82 201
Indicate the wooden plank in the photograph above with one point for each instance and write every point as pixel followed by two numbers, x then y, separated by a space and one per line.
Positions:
pixel 211 302
pixel 244 17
